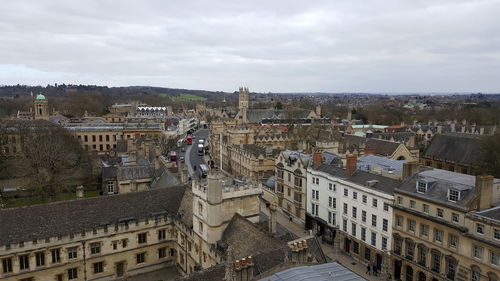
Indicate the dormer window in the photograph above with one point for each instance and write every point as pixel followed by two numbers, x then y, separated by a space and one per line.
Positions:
pixel 453 195
pixel 421 187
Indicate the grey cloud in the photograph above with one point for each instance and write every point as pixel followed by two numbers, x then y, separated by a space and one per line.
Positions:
pixel 369 46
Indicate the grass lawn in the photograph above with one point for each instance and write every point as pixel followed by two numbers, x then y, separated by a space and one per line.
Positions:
pixel 34 200
pixel 187 97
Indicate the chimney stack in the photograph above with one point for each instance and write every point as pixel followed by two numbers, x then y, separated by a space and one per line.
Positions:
pixel 351 161
pixel 410 168
pixel 484 191
pixel 317 159
pixel 272 218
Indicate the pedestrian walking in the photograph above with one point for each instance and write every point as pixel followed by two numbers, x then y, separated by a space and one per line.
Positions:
pixel 368 269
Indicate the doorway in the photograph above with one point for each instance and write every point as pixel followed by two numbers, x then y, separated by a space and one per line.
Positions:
pixel 347 245
pixel 397 269
pixel 379 261
pixel 409 273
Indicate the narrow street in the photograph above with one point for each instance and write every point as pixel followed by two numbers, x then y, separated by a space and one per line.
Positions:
pixel 191 156
pixel 284 224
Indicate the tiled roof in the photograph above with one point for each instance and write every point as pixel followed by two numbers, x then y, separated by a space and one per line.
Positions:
pixel 74 216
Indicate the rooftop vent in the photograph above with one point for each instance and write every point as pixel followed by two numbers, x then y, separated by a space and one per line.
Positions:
pixel 371 183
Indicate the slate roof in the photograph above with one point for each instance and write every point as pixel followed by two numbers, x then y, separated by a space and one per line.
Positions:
pixel 366 162
pixel 381 183
pixel 270 182
pixel 492 213
pixel 164 179
pixel 135 172
pixel 256 115
pixel 74 216
pixel 292 155
pixel 332 170
pixel 213 273
pixel 257 150
pixel 384 184
pixel 398 136
pixel 439 183
pixel 109 172
pixel 463 149
pixel 382 147
pixel 246 239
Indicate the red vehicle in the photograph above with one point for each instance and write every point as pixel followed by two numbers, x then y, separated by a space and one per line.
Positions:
pixel 189 140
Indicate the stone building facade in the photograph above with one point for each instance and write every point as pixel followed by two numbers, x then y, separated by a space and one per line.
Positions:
pixel 352 210
pixel 291 184
pixel 446 227
pixel 123 235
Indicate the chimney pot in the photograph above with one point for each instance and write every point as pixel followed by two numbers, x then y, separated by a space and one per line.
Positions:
pixel 249 260
pixel 304 244
pixel 237 265
pixel 243 262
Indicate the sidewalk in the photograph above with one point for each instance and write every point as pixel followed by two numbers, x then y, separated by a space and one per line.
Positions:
pixel 341 258
pixel 348 262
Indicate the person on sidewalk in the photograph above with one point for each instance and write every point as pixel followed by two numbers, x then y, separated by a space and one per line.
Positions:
pixel 368 269
pixel 374 270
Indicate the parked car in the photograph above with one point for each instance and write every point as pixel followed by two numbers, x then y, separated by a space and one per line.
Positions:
pixel 183 149
pixel 181 159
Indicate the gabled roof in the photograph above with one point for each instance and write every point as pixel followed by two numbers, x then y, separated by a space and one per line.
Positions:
pixel 135 172
pixel 382 147
pixel 246 239
pixel 463 149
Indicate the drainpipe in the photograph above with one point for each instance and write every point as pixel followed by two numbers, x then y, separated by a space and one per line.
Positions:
pixel 84 262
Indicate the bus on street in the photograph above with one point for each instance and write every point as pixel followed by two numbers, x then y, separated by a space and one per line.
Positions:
pixel 203 170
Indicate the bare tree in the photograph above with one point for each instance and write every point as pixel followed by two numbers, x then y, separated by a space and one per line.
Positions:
pixel 51 157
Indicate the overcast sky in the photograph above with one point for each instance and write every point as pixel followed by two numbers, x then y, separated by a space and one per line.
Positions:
pixel 277 46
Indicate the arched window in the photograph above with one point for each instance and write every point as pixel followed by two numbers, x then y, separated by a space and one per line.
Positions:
pixel 451 267
pixel 475 273
pixel 435 260
pixel 398 244
pixel 422 254
pixel 410 249
pixel 492 276
pixel 421 276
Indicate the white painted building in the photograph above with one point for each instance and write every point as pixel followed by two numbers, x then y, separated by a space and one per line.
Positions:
pixel 356 208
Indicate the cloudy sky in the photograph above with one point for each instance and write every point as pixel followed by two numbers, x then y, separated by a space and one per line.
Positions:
pixel 278 46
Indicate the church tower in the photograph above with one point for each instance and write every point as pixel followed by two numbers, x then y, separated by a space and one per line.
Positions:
pixel 243 103
pixel 41 107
